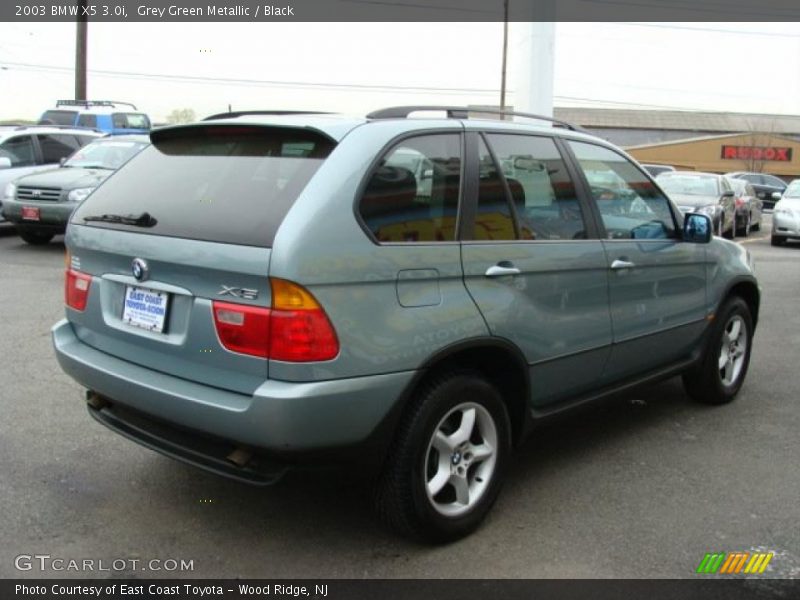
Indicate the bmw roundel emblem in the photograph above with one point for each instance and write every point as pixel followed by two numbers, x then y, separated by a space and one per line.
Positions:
pixel 140 269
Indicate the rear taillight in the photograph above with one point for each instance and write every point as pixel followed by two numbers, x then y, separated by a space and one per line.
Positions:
pixel 294 329
pixel 243 328
pixel 76 289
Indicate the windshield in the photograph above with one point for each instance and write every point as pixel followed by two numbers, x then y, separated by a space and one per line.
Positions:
pixel 793 191
pixel 59 117
pixel 691 185
pixel 108 154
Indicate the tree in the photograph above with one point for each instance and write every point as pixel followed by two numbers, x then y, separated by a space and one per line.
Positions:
pixel 181 115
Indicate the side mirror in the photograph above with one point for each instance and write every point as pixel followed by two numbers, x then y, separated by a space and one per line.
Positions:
pixel 5 162
pixel 697 228
pixel 776 196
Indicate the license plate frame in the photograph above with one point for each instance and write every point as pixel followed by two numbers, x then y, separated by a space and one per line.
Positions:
pixel 139 308
pixel 31 213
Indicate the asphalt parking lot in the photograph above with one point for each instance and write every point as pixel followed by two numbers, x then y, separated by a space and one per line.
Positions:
pixel 640 487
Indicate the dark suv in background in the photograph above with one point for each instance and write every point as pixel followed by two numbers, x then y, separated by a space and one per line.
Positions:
pixel 411 295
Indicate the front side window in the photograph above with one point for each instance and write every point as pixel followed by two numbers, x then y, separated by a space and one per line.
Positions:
pixel 19 150
pixel 543 194
pixel 630 205
pixel 412 195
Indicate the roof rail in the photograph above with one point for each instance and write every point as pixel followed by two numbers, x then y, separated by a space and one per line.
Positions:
pixel 54 126
pixel 244 113
pixel 90 103
pixel 462 112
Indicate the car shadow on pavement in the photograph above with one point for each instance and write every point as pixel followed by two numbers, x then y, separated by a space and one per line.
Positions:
pixel 318 506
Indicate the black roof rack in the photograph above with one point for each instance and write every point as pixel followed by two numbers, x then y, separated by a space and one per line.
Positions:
pixel 90 103
pixel 244 113
pixel 462 112
pixel 54 126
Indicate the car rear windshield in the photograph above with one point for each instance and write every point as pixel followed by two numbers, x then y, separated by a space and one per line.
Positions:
pixel 59 117
pixel 221 183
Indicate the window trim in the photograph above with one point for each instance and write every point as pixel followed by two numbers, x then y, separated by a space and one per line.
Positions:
pixel 37 155
pixel 373 165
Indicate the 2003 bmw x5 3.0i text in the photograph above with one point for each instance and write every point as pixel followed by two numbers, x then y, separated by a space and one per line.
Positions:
pixel 260 291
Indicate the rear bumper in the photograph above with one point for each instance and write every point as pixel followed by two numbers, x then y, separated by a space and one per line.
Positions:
pixel 280 417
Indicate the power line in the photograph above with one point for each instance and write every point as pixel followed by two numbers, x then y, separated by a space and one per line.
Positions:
pixel 795 36
pixel 254 82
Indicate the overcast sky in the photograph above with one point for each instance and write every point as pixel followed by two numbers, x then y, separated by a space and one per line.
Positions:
pixel 742 67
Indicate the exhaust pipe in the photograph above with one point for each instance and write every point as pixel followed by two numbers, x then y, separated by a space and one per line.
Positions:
pixel 95 400
pixel 240 456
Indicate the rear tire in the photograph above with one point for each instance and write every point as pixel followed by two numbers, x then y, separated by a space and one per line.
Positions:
pixel 447 462
pixel 719 377
pixel 777 240
pixel 745 230
pixel 36 237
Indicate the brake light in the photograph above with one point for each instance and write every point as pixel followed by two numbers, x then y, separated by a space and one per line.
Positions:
pixel 294 329
pixel 301 331
pixel 243 328
pixel 76 289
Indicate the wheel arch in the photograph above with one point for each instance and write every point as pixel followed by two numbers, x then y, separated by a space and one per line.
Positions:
pixel 748 291
pixel 500 362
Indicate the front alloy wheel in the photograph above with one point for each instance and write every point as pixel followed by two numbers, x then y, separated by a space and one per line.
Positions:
pixel 719 377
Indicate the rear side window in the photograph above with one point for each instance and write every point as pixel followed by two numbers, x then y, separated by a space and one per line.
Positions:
pixel 412 196
pixel 630 205
pixel 87 120
pixel 543 194
pixel 219 183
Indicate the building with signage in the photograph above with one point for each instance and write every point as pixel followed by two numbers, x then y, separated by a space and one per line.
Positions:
pixel 760 153
pixel 700 141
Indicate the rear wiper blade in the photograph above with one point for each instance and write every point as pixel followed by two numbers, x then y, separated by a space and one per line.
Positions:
pixel 142 220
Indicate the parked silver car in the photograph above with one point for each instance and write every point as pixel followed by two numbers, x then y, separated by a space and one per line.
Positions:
pixel 786 216
pixel 706 193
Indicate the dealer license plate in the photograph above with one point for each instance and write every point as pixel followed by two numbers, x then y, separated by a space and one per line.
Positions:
pixel 31 213
pixel 145 308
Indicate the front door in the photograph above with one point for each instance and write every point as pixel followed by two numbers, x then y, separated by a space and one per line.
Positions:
pixel 656 281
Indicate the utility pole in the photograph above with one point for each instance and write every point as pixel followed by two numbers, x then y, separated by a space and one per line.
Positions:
pixel 80 52
pixel 505 54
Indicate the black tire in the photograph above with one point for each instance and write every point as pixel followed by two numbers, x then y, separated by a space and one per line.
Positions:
pixel 36 237
pixel 744 231
pixel 706 383
pixel 777 240
pixel 402 490
pixel 731 235
pixel 756 226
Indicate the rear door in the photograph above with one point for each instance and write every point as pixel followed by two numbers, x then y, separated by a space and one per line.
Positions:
pixel 533 265
pixel 188 221
pixel 657 282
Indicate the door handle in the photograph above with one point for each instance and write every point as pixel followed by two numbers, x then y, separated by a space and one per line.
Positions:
pixel 501 270
pixel 622 264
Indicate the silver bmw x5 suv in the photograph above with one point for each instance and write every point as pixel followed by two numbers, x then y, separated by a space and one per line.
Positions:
pixel 257 292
